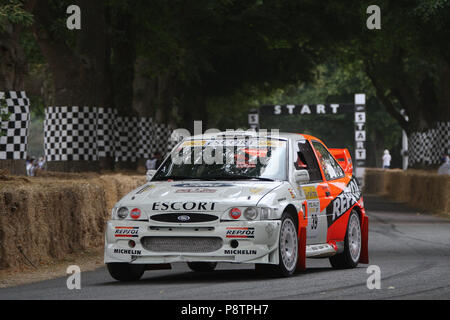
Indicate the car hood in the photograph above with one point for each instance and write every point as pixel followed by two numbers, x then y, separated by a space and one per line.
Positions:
pixel 191 196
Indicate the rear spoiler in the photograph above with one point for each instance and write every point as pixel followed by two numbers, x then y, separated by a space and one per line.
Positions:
pixel 344 159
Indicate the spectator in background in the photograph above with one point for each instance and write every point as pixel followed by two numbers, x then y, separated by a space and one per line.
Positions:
pixel 386 160
pixel 154 162
pixel 31 167
pixel 445 167
pixel 41 163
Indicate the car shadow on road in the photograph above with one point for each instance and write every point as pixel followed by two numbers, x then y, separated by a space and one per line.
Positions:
pixel 214 277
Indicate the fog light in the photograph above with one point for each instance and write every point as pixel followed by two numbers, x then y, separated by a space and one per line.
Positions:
pixel 131 244
pixel 234 244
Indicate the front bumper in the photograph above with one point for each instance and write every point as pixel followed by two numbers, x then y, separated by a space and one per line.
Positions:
pixel 257 242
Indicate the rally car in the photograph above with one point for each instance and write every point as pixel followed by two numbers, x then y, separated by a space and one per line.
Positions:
pixel 272 200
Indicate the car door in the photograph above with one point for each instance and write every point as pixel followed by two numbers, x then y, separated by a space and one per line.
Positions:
pixel 305 159
pixel 335 180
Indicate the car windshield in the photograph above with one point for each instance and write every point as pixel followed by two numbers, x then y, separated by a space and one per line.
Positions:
pixel 226 159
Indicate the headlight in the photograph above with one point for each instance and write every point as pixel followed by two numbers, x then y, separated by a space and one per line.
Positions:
pixel 248 213
pixel 251 213
pixel 122 213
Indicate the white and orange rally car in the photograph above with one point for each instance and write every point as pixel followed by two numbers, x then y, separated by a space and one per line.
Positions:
pixel 272 200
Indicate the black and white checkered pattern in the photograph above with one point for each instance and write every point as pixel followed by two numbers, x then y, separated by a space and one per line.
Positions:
pixel 70 134
pixel 74 134
pixel 145 137
pixel 428 148
pixel 128 141
pixel 14 139
pixel 106 132
pixel 161 138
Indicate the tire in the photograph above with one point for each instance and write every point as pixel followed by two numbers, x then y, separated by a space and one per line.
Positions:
pixel 202 266
pixel 126 271
pixel 287 250
pixel 349 258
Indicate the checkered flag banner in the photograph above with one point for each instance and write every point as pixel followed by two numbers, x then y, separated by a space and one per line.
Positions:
pixel 127 142
pixel 14 138
pixel 70 134
pixel 429 147
pixel 106 132
pixel 161 141
pixel 145 137
pixel 83 133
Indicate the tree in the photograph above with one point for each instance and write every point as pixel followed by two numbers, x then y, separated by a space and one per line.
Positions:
pixel 13 19
pixel 78 60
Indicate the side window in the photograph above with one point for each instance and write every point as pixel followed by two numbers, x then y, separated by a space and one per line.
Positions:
pixel 330 167
pixel 307 161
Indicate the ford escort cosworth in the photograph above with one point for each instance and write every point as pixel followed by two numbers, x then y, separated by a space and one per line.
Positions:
pixel 268 200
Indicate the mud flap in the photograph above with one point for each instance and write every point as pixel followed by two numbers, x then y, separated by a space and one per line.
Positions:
pixel 301 262
pixel 364 258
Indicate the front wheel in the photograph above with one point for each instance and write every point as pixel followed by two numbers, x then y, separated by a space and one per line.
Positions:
pixel 349 258
pixel 202 266
pixel 126 271
pixel 287 250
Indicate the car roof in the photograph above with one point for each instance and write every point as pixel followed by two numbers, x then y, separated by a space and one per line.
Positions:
pixel 249 134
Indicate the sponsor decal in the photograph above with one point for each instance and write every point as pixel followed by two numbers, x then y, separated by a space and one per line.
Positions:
pixel 202 185
pixel 183 206
pixel 282 199
pixel 314 206
pixel 194 143
pixel 292 193
pixel 128 251
pixel 257 190
pixel 146 188
pixel 135 213
pixel 343 202
pixel 235 213
pixel 245 165
pixel 196 190
pixel 241 233
pixel 256 152
pixel 252 143
pixel 243 251
pixel 126 232
pixel 310 192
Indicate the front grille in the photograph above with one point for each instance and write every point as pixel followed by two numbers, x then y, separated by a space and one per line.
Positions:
pixel 184 217
pixel 182 244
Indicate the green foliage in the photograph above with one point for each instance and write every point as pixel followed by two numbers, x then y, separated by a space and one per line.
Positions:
pixel 4 116
pixel 12 12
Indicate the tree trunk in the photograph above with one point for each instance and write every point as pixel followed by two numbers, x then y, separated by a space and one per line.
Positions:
pixel 13 69
pixel 81 75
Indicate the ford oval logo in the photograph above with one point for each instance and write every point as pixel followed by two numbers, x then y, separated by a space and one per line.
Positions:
pixel 184 218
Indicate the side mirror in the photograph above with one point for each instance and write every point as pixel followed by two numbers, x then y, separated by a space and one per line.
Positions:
pixel 150 174
pixel 301 176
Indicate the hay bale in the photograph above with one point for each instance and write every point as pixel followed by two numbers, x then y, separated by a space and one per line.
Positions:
pixel 47 218
pixel 420 189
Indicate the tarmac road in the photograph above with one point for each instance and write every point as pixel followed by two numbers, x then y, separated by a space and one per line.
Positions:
pixel 411 249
